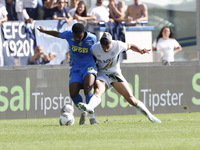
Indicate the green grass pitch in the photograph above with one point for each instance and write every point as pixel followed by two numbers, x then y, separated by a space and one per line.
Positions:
pixel 177 132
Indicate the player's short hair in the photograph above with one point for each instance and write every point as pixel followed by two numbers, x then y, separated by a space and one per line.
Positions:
pixel 104 41
pixel 78 28
pixel 106 38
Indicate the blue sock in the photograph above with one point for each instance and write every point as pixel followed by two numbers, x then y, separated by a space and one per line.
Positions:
pixel 77 99
pixel 88 97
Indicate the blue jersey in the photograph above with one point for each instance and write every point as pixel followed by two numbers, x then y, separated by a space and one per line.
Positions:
pixel 80 53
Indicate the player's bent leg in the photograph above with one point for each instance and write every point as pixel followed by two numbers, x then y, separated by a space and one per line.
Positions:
pixel 154 119
pixel 84 107
pixel 92 115
pixel 147 113
pixel 89 80
pixel 76 101
pixel 100 88
pixel 143 109
pixel 76 97
pixel 125 91
pixel 74 89
pixel 95 100
pixel 88 83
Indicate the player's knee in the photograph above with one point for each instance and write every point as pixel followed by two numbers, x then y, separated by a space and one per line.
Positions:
pixel 87 89
pixel 73 94
pixel 97 91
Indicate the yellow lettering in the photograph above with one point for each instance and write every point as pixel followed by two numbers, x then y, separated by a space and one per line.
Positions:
pixel 79 49
pixel 74 48
pixel 85 50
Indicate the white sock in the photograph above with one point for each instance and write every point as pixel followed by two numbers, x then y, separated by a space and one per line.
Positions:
pixel 92 116
pixel 143 109
pixel 94 101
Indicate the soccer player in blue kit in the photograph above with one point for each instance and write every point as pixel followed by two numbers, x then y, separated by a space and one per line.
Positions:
pixel 83 70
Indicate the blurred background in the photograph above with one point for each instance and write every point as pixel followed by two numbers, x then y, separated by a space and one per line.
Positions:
pixel 180 15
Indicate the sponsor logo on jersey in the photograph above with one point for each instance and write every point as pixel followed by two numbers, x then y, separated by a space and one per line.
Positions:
pixel 79 49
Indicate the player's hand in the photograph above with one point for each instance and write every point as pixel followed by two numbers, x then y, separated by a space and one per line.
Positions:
pixel 41 29
pixel 143 51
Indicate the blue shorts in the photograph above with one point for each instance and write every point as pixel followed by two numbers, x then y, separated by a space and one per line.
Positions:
pixel 77 74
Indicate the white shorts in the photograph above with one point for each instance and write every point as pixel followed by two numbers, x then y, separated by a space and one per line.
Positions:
pixel 109 78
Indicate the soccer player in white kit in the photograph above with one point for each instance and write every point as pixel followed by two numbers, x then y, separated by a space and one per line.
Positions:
pixel 107 54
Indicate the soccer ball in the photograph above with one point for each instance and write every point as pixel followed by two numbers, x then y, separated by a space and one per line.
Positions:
pixel 67 108
pixel 66 119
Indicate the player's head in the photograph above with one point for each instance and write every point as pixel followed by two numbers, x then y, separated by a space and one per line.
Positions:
pixel 105 41
pixel 78 32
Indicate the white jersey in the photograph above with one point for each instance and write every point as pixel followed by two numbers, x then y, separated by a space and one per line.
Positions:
pixel 166 47
pixel 109 62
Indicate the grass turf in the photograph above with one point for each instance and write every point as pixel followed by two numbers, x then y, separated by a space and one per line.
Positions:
pixel 177 132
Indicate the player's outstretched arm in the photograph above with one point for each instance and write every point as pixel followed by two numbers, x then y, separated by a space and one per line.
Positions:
pixel 52 33
pixel 137 49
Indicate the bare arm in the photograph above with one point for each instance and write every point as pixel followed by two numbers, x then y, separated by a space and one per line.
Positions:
pixel 178 49
pixel 34 57
pixel 38 55
pixel 119 12
pixel 5 18
pixel 89 17
pixel 46 57
pixel 137 49
pixel 52 33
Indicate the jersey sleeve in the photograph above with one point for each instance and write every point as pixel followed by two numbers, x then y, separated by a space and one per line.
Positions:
pixel 96 49
pixel 93 49
pixel 123 46
pixel 176 44
pixel 95 39
pixel 64 35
